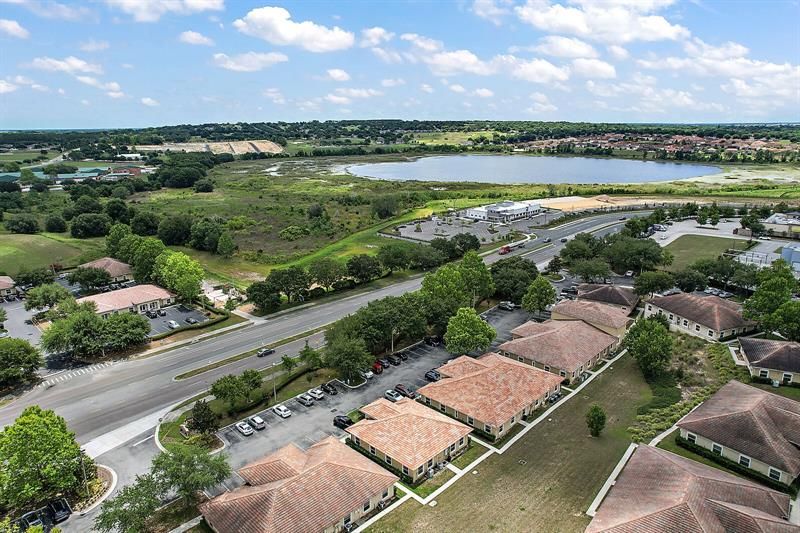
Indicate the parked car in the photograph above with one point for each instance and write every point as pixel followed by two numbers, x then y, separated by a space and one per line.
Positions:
pixel 367 374
pixel 408 392
pixel 263 352
pixel 173 325
pixel 244 428
pixel 377 368
pixel 392 395
pixel 190 320
pixel 393 359
pixel 329 389
pixel 256 422
pixel 59 510
pixel 306 400
pixel 162 312
pixel 32 519
pixel 316 394
pixel 623 218
pixel 433 375
pixel 384 362
pixel 151 314
pixel 629 273
pixel 282 411
pixel 507 306
pixel 402 355
pixel 342 421
pixel 433 340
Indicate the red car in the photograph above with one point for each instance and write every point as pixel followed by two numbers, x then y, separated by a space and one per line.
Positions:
pixel 377 368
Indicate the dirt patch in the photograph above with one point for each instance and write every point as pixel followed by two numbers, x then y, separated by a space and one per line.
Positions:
pixel 234 147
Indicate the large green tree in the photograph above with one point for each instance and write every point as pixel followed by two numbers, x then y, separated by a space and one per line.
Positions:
pixel 265 296
pixel 82 333
pixel 89 278
pixel 476 277
pixel 186 471
pixel 40 459
pixel 19 361
pixel 590 270
pixel 652 282
pixel 326 271
pixel 203 420
pixel 290 281
pixel 364 268
pixel 46 295
pixel 467 332
pixel 230 389
pixel 394 256
pixel 649 342
pixel 595 419
pixel 690 280
pixel 443 294
pixel 132 508
pixel 143 254
pixel 786 320
pixel 179 273
pixel 539 295
pixel 512 276
pixel 348 355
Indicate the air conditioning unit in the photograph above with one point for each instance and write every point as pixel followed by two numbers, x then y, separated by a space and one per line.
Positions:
pixel 776 383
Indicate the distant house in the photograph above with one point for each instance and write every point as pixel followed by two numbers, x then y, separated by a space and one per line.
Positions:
pixel 491 393
pixel 563 347
pixel 749 426
pixel 659 492
pixel 118 270
pixel 137 299
pixel 705 316
pixel 8 286
pixel 775 360
pixel 408 436
pixel 326 488
pixel 621 297
pixel 608 318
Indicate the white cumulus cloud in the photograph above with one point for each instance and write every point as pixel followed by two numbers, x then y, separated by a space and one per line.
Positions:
pixel 94 46
pixel 13 28
pixel 618 52
pixel 426 88
pixel 153 10
pixel 358 93
pixel 555 45
pixel 483 93
pixel 275 25
pixel 593 68
pixel 275 96
pixel 195 38
pixel 50 9
pixel 538 71
pixel 248 62
pixel 490 10
pixel 6 87
pixel 456 88
pixel 393 82
pixel 149 102
pixel 337 74
pixel 375 36
pixel 337 99
pixel 70 65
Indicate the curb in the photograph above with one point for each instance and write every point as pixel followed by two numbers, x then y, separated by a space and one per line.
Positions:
pixel 107 493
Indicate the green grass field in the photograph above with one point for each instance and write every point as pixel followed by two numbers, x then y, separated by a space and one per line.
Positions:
pixel 32 251
pixel 689 248
pixel 21 155
pixel 546 481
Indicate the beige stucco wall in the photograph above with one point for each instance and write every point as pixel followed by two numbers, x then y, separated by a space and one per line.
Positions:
pixel 358 513
pixel 413 470
pixel 775 375
pixel 568 373
pixel 684 325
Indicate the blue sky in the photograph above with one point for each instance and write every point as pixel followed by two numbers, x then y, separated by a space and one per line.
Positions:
pixel 133 63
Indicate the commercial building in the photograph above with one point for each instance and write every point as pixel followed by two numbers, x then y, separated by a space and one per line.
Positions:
pixel 705 316
pixel 326 488
pixel 491 393
pixel 118 270
pixel 8 287
pixel 783 225
pixel 660 492
pixel 137 299
pixel 564 347
pixel 408 436
pixel 778 361
pixel 749 426
pixel 505 211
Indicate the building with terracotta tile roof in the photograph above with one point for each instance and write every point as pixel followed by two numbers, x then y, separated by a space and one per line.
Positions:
pixel 622 297
pixel 608 318
pixel 775 360
pixel 490 393
pixel 136 299
pixel 408 436
pixel 749 426
pixel 118 270
pixel 705 316
pixel 326 488
pixel 564 347
pixel 659 491
pixel 8 286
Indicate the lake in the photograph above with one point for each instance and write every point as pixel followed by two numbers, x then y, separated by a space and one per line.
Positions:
pixel 530 169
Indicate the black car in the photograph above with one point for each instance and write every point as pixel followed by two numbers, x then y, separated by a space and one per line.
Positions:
pixel 263 352
pixel 342 421
pixel 384 363
pixel 151 314
pixel 408 392
pixel 329 389
pixel 59 510
pixel 162 312
pixel 402 355
pixel 394 360
pixel 564 239
pixel 433 375
pixel 433 340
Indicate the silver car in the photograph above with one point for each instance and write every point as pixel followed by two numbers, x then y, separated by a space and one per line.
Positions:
pixel 244 428
pixel 316 394
pixel 282 411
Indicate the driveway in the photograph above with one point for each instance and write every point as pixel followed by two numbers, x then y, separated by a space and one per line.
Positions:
pixel 15 323
pixel 178 313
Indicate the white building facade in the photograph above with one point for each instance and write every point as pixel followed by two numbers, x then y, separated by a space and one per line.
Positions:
pixel 505 211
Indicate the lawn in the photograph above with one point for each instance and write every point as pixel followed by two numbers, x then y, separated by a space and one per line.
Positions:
pixel 42 250
pixel 547 479
pixel 689 248
pixel 670 445
pixel 426 488
pixel 793 393
pixel 465 459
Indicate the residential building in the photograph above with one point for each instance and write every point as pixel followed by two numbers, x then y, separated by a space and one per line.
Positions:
pixel 622 297
pixel 658 491
pixel 408 436
pixel 778 361
pixel 8 286
pixel 505 211
pixel 491 393
pixel 702 315
pixel 564 347
pixel 791 254
pixel 607 318
pixel 136 299
pixel 326 488
pixel 118 270
pixel 749 426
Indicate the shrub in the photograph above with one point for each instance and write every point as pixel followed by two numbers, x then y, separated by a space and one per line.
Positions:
pixel 55 224
pixel 24 223
pixel 292 233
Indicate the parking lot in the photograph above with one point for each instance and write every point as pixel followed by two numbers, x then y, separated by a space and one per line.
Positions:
pixel 15 323
pixel 450 226
pixel 178 313
pixel 309 425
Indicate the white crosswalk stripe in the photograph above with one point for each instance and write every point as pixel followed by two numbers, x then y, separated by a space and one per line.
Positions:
pixel 75 373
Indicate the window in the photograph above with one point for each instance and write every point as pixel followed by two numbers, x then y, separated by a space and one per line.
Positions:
pixel 521 359
pixel 461 441
pixel 347 520
pixel 430 463
pixel 470 421
pixel 744 461
pixel 513 419
pixel 388 460
pixel 442 407
pixel 456 414
pixel 372 449
pixel 405 470
pixel 500 429
pixel 385 494
pixel 427 401
pixel 671 316
pixel 763 373
pixel 546 368
pixel 685 322
pixel 649 307
pixel 787 378
pixel 487 428
pixel 453 447
pixel 562 374
pixel 716 448
pixel 710 333
pixel 697 327
pixel 357 441
pixel 691 437
pixel 774 474
pixel 366 506
pixel 420 470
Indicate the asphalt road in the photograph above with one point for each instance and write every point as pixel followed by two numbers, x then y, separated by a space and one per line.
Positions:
pixel 112 404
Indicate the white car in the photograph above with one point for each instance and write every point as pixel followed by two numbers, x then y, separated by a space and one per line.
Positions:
pixel 367 374
pixel 173 325
pixel 244 428
pixel 392 395
pixel 629 273
pixel 316 394
pixel 282 411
